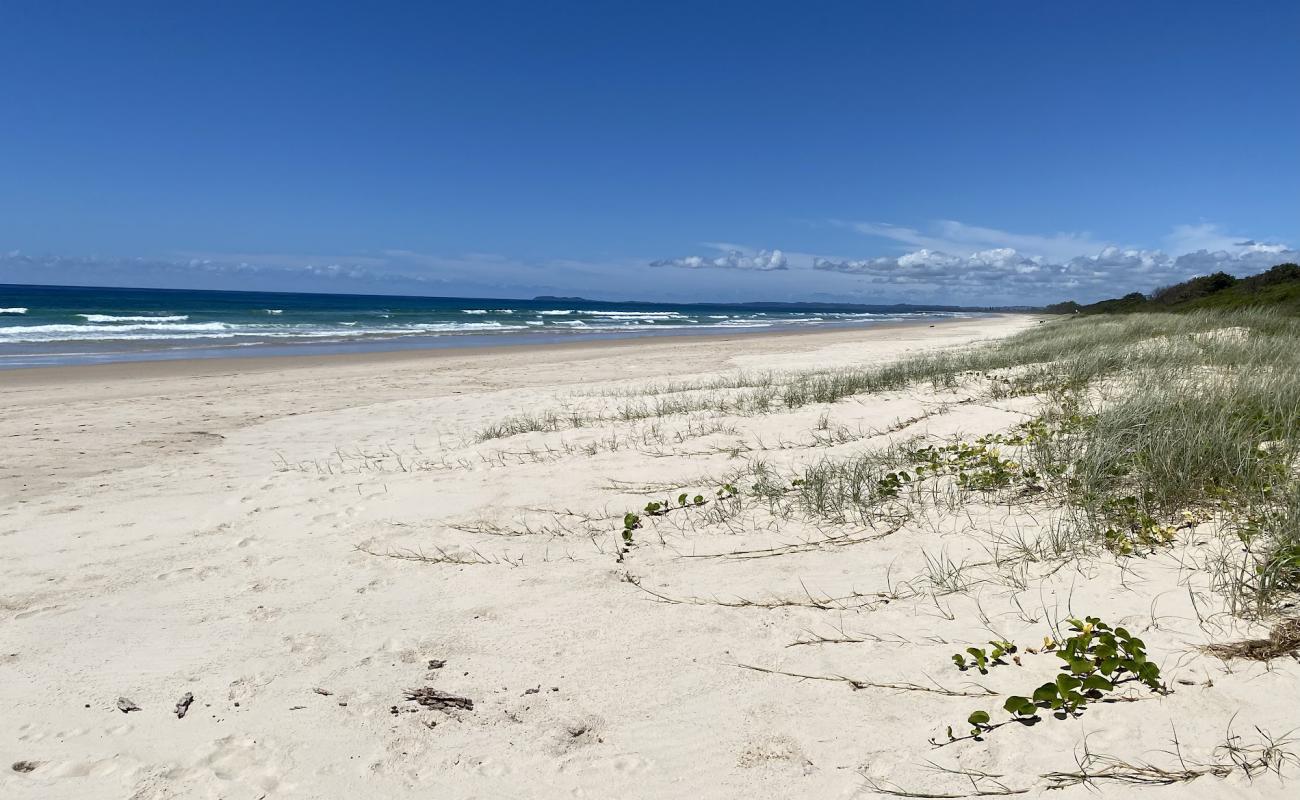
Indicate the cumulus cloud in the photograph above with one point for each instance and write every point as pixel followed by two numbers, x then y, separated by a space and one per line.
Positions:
pixel 979 265
pixel 1006 271
pixel 762 261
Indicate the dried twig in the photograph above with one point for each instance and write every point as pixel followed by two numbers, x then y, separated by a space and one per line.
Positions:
pixel 442 556
pixel 858 683
pixel 854 601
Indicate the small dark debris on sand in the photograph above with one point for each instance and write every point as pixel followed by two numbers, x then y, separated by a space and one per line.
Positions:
pixel 441 701
pixel 126 706
pixel 183 705
pixel 25 766
pixel 437 663
pixel 320 691
pixel 1284 640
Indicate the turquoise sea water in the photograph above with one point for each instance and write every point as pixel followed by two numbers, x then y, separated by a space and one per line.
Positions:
pixel 45 325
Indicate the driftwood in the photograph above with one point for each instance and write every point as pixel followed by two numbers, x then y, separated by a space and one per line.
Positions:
pixel 126 706
pixel 430 697
pixel 183 705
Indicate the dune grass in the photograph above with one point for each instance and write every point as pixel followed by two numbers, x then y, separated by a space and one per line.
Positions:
pixel 1148 424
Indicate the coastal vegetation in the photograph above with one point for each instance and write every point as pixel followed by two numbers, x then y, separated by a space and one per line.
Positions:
pixel 1278 287
pixel 1089 450
pixel 1168 437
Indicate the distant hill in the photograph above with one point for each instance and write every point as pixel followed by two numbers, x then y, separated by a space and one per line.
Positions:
pixel 1278 287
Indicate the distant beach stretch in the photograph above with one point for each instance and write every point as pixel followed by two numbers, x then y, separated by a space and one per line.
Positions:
pixel 42 325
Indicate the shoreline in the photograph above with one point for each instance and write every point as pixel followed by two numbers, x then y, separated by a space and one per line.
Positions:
pixel 74 422
pixel 254 363
pixel 63 326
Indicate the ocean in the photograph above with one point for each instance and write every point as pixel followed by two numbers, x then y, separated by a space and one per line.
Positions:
pixel 53 325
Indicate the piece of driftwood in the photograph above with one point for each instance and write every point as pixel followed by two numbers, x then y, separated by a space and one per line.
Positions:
pixel 183 705
pixel 126 706
pixel 430 697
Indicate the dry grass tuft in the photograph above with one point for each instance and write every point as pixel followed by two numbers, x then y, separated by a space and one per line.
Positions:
pixel 1283 640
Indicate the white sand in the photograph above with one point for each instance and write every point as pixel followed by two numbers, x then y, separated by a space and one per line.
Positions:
pixel 193 528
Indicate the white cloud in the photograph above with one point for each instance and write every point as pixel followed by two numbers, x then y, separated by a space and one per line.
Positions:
pixel 761 261
pixel 949 236
pixel 953 263
pixel 281 260
pixel 978 265
pixel 1112 271
pixel 1204 236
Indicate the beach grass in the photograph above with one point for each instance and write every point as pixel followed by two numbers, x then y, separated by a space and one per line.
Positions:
pixel 1144 425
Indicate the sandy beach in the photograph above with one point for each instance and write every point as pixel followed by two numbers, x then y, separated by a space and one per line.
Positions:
pixel 300 544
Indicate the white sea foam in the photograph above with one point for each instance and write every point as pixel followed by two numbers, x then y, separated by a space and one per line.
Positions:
pixel 177 331
pixel 111 318
pixel 28 334
pixel 637 315
pixel 61 333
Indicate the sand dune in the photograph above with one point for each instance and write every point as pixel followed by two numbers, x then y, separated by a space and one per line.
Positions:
pixel 300 543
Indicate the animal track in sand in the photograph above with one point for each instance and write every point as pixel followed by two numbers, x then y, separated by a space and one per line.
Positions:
pixel 234 759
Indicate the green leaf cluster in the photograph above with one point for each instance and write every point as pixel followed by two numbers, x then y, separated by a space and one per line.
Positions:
pixel 1097 658
pixel 630 523
pixel 982 659
pixel 1133 530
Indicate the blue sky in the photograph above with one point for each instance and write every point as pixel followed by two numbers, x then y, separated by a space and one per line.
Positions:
pixel 966 152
